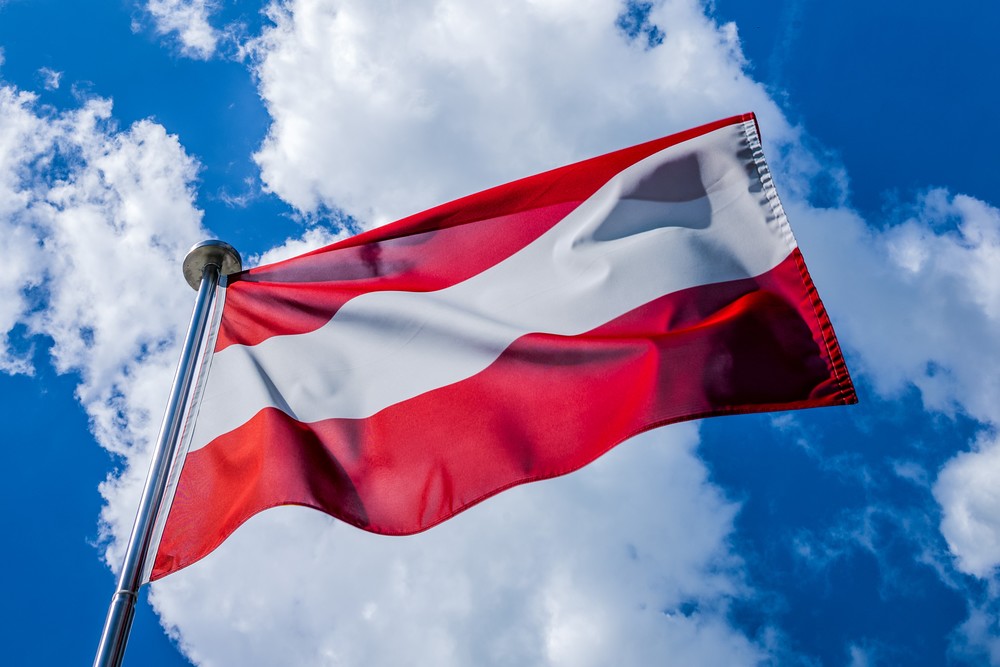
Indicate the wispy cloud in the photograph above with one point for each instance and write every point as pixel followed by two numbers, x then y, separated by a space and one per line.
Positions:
pixel 916 303
pixel 189 21
pixel 50 78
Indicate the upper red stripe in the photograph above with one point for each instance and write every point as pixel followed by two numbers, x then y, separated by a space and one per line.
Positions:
pixel 549 405
pixel 428 251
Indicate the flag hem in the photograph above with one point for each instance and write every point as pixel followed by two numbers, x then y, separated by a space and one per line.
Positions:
pixel 191 417
pixel 827 335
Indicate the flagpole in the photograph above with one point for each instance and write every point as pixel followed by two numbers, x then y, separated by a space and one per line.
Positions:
pixel 202 267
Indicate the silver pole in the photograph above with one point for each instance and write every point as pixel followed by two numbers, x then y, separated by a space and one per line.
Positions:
pixel 203 265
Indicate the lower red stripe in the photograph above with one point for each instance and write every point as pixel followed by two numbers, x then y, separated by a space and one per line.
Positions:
pixel 547 406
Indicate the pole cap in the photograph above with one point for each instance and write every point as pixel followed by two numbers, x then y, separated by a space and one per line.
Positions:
pixel 215 252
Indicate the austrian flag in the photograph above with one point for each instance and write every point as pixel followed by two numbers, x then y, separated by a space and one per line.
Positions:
pixel 399 377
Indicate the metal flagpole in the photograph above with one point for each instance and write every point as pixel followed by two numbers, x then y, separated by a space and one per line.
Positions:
pixel 203 266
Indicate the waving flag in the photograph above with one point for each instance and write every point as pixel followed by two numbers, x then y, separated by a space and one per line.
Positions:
pixel 396 378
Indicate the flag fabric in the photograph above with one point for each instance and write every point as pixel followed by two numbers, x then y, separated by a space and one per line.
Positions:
pixel 401 376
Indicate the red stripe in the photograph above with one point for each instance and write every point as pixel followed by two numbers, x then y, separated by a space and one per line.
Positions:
pixel 549 405
pixel 424 252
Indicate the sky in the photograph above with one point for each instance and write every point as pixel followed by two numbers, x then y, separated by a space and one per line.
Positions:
pixel 858 536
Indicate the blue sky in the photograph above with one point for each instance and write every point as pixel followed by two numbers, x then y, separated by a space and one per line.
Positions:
pixel 859 536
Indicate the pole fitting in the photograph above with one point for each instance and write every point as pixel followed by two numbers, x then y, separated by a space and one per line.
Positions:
pixel 219 253
pixel 122 592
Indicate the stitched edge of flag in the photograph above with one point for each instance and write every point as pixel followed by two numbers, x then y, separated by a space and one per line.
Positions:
pixel 835 356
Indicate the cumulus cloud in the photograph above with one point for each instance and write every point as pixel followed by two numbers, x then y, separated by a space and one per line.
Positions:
pixel 94 221
pixel 377 114
pixel 918 302
pixel 384 113
pixel 381 113
pixel 23 136
pixel 625 562
pixel 188 21
pixel 967 491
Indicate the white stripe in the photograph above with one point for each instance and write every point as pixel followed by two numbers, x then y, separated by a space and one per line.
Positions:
pixel 617 251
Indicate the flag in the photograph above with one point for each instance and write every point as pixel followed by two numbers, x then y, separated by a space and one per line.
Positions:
pixel 401 376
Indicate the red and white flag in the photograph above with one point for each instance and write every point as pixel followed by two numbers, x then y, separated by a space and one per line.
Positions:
pixel 396 378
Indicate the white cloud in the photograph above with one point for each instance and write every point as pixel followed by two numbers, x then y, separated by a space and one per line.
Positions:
pixel 94 221
pixel 625 562
pixel 968 493
pixel 23 137
pixel 860 656
pixel 190 21
pixel 312 238
pixel 977 640
pixel 381 113
pixel 441 98
pixel 384 113
pixel 917 304
pixel 50 78
pixel 916 301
